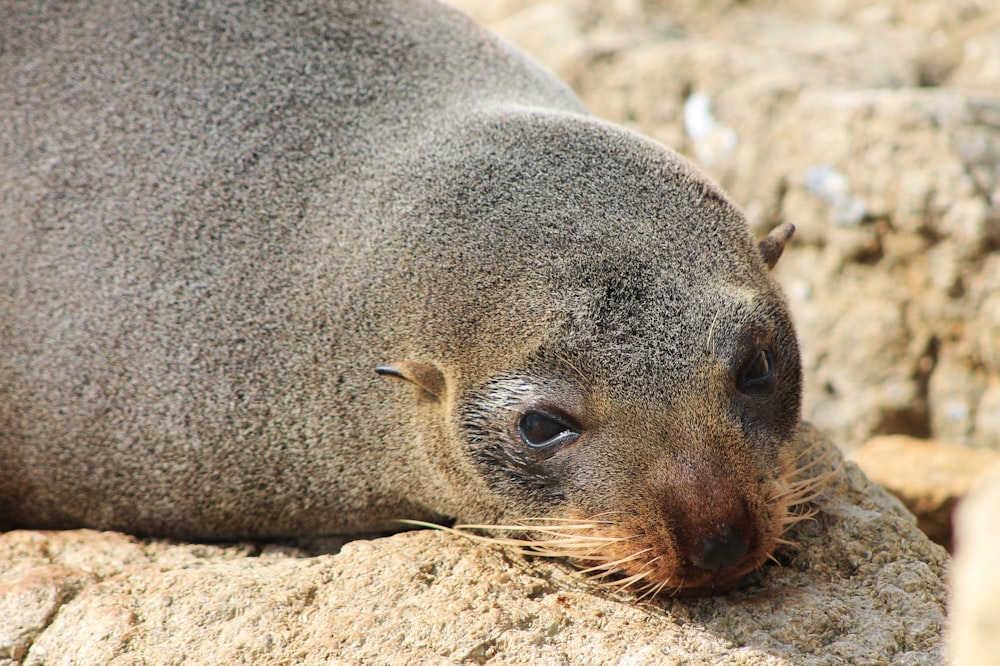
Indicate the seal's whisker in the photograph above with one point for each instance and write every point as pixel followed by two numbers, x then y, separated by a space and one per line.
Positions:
pixel 800 506
pixel 621 584
pixel 807 494
pixel 810 461
pixel 576 542
pixel 571 521
pixel 544 524
pixel 709 343
pixel 555 548
pixel 806 461
pixel 659 587
pixel 600 576
pixel 568 531
pixel 562 541
pixel 808 466
pixel 553 530
pixel 652 563
pixel 677 588
pixel 597 517
pixel 800 485
pixel 587 380
pixel 798 514
pixel 813 483
pixel 609 567
pixel 605 569
pixel 648 591
pixel 797 500
pixel 653 589
pixel 626 583
pixel 616 564
pixel 558 551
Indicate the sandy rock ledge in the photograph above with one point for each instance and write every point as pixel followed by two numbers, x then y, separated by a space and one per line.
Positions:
pixel 865 586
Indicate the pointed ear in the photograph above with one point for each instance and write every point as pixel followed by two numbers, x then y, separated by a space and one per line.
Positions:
pixel 422 375
pixel 774 243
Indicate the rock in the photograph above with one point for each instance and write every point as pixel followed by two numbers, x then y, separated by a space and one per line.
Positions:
pixel 864 585
pixel 929 477
pixel 975 600
pixel 28 602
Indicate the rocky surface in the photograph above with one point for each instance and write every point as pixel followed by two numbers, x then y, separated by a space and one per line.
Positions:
pixel 875 129
pixel 864 586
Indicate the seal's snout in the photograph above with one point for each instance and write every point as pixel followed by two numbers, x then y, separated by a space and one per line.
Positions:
pixel 721 551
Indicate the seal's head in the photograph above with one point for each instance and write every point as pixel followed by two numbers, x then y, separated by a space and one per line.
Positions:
pixel 635 405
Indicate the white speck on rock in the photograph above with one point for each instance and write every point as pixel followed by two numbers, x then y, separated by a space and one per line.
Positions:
pixel 713 141
pixel 833 187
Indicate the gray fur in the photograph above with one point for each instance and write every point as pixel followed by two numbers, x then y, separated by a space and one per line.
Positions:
pixel 218 220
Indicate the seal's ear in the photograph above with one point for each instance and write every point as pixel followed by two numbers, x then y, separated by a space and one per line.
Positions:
pixel 425 376
pixel 773 245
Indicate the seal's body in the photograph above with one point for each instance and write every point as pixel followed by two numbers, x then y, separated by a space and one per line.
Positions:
pixel 218 221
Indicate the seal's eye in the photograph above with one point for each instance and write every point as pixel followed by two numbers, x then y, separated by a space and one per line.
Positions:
pixel 543 431
pixel 758 374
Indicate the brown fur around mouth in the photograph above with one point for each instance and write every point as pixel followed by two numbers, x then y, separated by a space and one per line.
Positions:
pixel 626 562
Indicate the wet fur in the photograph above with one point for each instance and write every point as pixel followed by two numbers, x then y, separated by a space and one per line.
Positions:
pixel 218 221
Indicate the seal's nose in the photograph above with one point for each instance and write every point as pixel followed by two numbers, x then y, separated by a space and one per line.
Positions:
pixel 720 551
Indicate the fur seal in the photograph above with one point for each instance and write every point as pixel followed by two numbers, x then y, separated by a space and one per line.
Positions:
pixel 225 226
